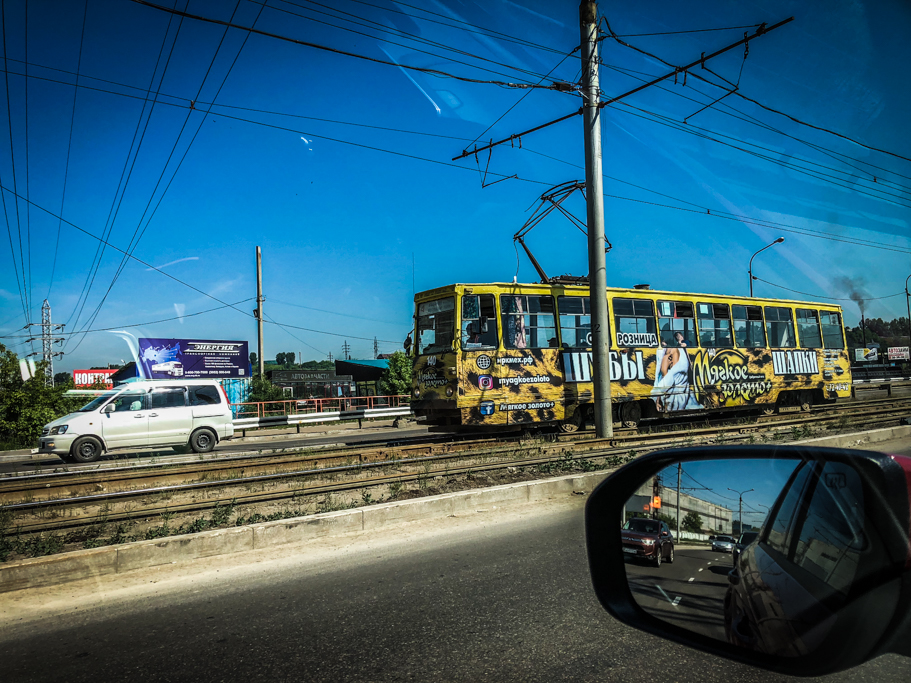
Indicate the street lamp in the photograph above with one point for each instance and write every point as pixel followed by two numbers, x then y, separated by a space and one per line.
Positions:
pixel 778 241
pixel 742 493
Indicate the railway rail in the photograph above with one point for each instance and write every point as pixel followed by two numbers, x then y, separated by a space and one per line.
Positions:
pixel 76 498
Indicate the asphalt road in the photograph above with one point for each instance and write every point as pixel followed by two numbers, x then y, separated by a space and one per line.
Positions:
pixel 689 592
pixel 491 597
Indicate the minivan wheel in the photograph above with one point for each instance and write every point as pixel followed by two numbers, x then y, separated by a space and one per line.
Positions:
pixel 86 449
pixel 658 558
pixel 670 557
pixel 202 441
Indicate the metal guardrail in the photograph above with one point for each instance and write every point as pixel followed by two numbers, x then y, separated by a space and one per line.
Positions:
pixel 317 418
pixel 303 406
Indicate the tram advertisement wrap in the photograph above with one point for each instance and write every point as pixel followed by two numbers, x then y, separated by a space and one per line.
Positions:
pixel 682 379
pixel 193 358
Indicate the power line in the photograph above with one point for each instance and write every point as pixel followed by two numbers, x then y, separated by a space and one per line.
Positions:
pixel 830 298
pixel 396 32
pixel 93 268
pixel 677 33
pixel 736 91
pixel 675 125
pixel 137 234
pixel 145 324
pixel 26 306
pixel 69 145
pixel 187 284
pixel 305 43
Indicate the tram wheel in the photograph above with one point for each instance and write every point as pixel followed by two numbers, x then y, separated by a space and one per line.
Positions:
pixel 630 414
pixel 769 410
pixel 573 424
pixel 806 401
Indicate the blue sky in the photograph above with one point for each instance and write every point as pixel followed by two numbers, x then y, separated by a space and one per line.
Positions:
pixel 350 180
pixel 713 480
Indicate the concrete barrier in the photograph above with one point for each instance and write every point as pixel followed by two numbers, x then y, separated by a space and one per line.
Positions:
pixel 118 559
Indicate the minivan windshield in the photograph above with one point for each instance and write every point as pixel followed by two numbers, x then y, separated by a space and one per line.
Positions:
pixel 99 401
pixel 643 526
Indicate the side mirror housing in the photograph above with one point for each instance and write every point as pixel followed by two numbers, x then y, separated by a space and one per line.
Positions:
pixel 109 408
pixel 832 559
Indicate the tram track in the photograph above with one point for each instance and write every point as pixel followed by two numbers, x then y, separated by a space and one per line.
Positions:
pixel 67 501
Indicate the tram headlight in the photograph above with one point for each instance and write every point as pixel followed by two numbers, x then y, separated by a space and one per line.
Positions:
pixel 417 392
pixel 449 391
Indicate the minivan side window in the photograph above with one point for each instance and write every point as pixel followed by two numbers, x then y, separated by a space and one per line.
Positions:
pixel 168 397
pixel 131 400
pixel 204 395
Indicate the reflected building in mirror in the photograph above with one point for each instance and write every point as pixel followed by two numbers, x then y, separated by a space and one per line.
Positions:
pixel 715 518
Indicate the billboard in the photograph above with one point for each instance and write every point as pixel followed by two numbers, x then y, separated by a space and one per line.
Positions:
pixel 899 353
pixel 193 358
pixel 871 355
pixel 86 378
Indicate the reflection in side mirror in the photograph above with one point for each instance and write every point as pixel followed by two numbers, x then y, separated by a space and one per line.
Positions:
pixel 813 540
pixel 787 557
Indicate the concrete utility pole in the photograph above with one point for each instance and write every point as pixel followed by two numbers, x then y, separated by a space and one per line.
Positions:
pixel 594 195
pixel 259 310
pixel 908 303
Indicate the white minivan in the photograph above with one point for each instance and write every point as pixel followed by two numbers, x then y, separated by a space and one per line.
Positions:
pixel 142 415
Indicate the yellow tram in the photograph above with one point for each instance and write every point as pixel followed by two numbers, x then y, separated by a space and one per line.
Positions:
pixel 508 354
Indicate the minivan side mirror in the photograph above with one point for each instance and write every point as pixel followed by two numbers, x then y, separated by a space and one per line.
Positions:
pixel 109 408
pixel 832 558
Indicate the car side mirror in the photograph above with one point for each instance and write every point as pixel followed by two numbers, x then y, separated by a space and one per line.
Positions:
pixel 831 562
pixel 109 408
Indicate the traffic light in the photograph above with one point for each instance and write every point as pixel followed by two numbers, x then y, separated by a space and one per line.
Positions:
pixel 656 502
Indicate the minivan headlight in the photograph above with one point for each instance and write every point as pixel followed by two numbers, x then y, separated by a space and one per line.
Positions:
pixel 59 430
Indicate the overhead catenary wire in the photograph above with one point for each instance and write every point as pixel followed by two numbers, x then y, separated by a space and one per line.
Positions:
pixel 360 21
pixel 739 94
pixel 700 210
pixel 306 43
pixel 697 209
pixel 830 298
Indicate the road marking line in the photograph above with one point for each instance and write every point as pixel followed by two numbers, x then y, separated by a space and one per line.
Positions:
pixel 676 601
pixel 667 597
pixel 692 579
pixel 701 568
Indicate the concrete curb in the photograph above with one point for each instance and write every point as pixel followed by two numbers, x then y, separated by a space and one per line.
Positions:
pixel 858 439
pixel 117 559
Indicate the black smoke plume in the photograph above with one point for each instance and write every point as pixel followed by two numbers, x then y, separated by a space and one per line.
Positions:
pixel 856 289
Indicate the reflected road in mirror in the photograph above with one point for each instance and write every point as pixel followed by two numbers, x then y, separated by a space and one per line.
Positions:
pixel 688 593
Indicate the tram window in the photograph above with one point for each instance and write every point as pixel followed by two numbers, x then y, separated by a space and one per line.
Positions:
pixel 575 321
pixel 832 331
pixel 714 326
pixel 677 324
pixel 780 327
pixel 808 329
pixel 479 321
pixel 748 329
pixel 528 321
pixel 436 326
pixel 634 320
